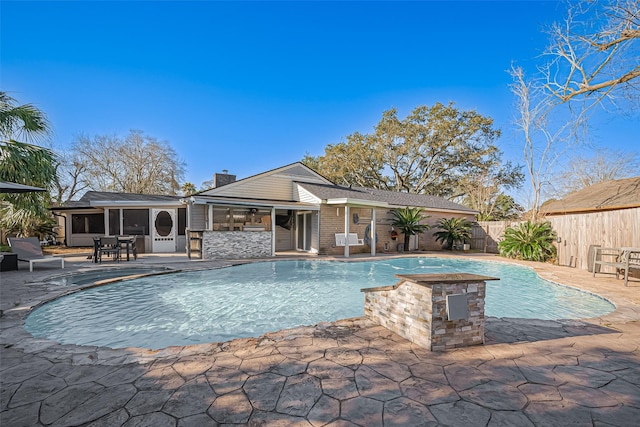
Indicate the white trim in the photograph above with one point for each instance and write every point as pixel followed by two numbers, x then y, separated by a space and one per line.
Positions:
pixel 145 204
pixel 252 202
pixel 356 202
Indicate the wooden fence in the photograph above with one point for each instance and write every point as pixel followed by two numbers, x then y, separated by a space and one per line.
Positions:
pixel 577 233
pixel 487 234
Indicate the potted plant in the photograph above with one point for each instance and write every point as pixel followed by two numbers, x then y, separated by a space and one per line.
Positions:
pixel 454 231
pixel 408 222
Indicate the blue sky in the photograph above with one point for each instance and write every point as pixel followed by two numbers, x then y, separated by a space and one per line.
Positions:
pixel 251 86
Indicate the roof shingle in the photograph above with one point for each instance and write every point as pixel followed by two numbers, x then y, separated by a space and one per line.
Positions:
pixel 394 198
pixel 609 195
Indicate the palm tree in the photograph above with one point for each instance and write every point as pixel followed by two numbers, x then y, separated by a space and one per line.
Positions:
pixel 408 221
pixel 453 230
pixel 24 162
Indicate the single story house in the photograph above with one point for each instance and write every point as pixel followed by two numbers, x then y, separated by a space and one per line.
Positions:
pixel 291 208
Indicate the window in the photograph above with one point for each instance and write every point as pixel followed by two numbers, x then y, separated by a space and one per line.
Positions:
pixel 182 221
pixel 135 222
pixel 242 218
pixel 87 223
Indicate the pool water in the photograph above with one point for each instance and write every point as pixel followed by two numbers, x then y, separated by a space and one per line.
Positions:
pixel 249 300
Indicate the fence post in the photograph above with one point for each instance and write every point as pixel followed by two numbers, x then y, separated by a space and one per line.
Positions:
pixel 486 238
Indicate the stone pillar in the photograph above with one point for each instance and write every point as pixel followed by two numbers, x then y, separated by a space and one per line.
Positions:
pixel 434 311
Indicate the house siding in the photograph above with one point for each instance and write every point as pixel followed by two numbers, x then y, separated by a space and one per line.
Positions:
pixel 269 187
pixel 277 185
pixel 304 196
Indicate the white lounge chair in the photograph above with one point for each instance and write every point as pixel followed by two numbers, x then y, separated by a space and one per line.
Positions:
pixel 29 250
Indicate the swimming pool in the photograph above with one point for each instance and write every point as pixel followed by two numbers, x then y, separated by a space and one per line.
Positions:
pixel 249 300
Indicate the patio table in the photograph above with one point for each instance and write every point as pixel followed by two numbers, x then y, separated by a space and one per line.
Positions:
pixel 129 243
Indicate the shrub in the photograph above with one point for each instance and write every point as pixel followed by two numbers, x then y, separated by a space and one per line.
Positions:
pixel 531 241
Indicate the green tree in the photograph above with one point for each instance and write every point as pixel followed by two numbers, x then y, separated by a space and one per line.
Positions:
pixel 452 231
pixel 485 191
pixel 409 222
pixel 358 162
pixel 23 162
pixel 531 241
pixel 428 152
pixel 188 188
pixel 505 208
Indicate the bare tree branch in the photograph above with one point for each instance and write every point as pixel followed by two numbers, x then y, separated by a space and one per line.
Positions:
pixel 595 51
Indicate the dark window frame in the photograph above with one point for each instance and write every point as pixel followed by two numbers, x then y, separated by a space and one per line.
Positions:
pixel 87 223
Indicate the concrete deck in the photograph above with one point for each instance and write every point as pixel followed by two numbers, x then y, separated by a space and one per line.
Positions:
pixel 348 373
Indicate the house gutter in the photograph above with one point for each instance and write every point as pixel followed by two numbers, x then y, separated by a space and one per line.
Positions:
pixel 356 202
pixel 145 204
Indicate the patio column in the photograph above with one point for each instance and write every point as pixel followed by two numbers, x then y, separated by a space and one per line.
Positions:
pixel 106 221
pixel 346 231
pixel 373 231
pixel 210 225
pixel 273 231
pixel 189 209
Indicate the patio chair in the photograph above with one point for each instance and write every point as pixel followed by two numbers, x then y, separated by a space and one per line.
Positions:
pixel 29 250
pixel 109 246
pixel 128 246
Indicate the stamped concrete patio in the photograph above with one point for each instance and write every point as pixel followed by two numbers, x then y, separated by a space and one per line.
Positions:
pixel 348 373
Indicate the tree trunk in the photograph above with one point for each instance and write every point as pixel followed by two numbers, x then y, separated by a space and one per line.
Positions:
pixel 406 242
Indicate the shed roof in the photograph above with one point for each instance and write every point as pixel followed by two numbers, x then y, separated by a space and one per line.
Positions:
pixel 609 195
pixel 92 199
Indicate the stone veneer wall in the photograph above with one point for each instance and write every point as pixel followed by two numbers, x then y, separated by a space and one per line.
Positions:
pixel 236 244
pixel 418 312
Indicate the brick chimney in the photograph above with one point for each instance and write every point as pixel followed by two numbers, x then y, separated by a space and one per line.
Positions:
pixel 220 179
